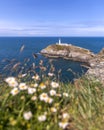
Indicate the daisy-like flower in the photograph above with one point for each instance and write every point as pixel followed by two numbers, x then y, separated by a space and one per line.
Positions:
pixel 22 86
pixel 54 84
pixel 27 115
pixel 14 91
pixel 35 85
pixel 42 118
pixel 31 90
pixel 9 79
pixel 53 109
pixel 42 86
pixel 65 94
pixel 63 124
pixel 36 77
pixel 11 82
pixel 43 97
pixel 65 116
pixel 48 100
pixel 33 98
pixel 52 92
pixel 50 74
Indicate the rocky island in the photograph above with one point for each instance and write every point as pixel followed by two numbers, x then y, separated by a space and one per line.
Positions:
pixel 69 52
pixel 95 62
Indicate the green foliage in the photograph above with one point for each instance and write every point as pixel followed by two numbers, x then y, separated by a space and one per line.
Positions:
pixel 34 106
pixel 57 47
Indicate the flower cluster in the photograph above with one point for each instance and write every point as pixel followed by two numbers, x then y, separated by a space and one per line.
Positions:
pixel 37 102
pixel 64 123
pixel 17 87
pixel 11 81
pixel 45 97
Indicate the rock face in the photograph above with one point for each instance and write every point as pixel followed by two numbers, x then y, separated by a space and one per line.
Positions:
pixel 68 52
pixel 97 67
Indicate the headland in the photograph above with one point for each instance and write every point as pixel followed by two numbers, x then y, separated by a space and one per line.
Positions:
pixel 95 62
pixel 69 52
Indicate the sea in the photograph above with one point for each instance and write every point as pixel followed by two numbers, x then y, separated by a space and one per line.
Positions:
pixel 10 48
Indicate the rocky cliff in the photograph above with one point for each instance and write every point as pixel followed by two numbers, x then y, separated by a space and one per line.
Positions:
pixel 68 52
pixel 97 67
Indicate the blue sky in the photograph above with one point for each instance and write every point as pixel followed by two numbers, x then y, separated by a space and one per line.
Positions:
pixel 51 17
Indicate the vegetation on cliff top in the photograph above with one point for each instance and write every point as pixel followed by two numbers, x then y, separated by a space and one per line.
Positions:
pixel 69 48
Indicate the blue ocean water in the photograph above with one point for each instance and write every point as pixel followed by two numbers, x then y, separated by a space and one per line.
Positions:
pixel 10 49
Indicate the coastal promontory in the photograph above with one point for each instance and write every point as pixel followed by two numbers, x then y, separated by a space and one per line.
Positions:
pixel 94 62
pixel 69 52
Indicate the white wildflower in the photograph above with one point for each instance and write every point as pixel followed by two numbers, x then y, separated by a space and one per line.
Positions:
pixel 53 109
pixel 22 86
pixel 54 84
pixel 9 79
pixel 42 118
pixel 11 82
pixel 42 86
pixel 14 91
pixel 27 115
pixel 35 85
pixel 52 92
pixel 63 124
pixel 31 90
pixel 36 77
pixel 33 98
pixel 48 100
pixel 65 115
pixel 65 94
pixel 43 96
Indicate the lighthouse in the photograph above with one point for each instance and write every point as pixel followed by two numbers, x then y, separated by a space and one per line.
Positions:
pixel 59 41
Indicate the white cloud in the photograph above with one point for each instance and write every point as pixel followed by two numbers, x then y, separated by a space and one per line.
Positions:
pixel 8 28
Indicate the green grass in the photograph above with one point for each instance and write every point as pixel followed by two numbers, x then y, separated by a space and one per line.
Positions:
pixel 79 105
pixel 84 105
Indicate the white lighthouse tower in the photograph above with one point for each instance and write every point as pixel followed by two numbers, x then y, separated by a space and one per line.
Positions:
pixel 59 41
pixel 62 44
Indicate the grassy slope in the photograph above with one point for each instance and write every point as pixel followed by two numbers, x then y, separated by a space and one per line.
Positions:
pixel 85 105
